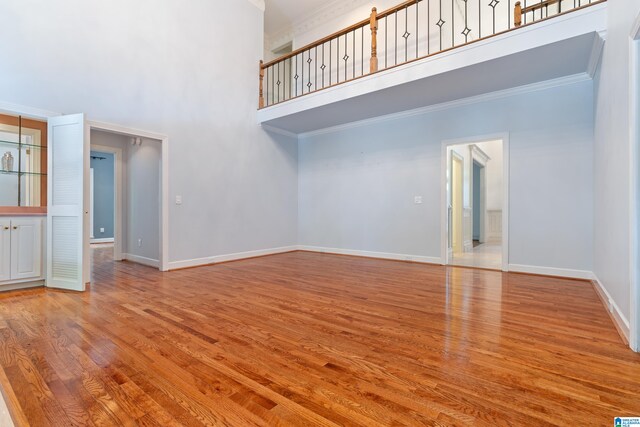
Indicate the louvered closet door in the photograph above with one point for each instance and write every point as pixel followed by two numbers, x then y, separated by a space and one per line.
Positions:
pixel 67 151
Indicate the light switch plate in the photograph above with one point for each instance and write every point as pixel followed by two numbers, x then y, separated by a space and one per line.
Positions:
pixel 417 200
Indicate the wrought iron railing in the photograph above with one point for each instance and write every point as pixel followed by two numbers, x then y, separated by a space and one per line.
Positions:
pixel 408 32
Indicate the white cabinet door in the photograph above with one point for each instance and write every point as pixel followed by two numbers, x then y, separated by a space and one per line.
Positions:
pixel 5 250
pixel 26 249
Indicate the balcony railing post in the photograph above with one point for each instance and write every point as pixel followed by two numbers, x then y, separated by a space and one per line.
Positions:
pixel 374 40
pixel 517 14
pixel 261 96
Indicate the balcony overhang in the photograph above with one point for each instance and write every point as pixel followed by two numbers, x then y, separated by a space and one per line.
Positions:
pixel 567 45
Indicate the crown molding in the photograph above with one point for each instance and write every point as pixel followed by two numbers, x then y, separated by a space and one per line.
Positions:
pixel 259 4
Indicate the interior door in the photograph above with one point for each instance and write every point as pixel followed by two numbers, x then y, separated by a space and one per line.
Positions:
pixel 67 212
pixel 26 249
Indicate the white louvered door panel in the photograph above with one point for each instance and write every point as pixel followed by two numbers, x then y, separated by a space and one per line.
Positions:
pixel 5 250
pixel 67 152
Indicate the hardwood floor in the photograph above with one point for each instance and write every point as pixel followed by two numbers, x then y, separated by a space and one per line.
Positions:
pixel 308 339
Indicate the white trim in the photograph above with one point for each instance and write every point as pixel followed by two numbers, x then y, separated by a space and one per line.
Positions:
pixel 622 324
pixel 164 185
pixel 634 187
pixel 504 136
pixel 142 260
pixel 369 254
pixel 279 131
pixel 118 205
pixel 105 240
pixel 259 4
pixel 491 96
pixel 176 265
pixel 551 271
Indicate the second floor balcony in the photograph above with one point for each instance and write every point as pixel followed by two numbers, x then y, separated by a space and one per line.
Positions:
pixel 429 52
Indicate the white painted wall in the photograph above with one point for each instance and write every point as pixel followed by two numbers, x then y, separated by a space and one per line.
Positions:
pixel 357 185
pixel 166 68
pixel 612 149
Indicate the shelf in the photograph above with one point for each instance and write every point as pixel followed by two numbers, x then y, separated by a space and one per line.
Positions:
pixel 15 144
pixel 21 173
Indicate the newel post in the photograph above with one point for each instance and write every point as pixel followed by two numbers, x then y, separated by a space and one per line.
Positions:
pixel 261 98
pixel 517 14
pixel 374 40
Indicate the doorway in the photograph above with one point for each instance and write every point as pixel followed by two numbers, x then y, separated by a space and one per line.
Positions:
pixel 138 198
pixel 475 198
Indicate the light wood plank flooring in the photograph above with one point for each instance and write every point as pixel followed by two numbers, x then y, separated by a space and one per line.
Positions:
pixel 306 339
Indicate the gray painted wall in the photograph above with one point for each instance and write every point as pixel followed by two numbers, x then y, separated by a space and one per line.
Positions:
pixel 103 194
pixel 356 186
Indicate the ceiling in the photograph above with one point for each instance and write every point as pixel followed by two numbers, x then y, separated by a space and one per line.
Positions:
pixel 282 14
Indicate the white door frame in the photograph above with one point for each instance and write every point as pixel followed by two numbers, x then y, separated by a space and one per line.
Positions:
pixel 118 197
pixel 164 182
pixel 504 136
pixel 634 167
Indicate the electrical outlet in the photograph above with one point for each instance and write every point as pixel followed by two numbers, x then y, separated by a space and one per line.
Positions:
pixel 417 200
pixel 139 243
pixel 178 200
pixel 102 229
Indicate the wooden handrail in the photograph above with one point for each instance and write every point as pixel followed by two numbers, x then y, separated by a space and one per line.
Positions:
pixel 273 85
pixel 520 11
pixel 342 32
pixel 317 43
pixel 397 8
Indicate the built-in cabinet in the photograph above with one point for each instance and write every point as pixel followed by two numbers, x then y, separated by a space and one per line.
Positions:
pixel 21 251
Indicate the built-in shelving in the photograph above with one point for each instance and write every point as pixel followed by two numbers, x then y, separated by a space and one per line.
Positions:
pixel 23 162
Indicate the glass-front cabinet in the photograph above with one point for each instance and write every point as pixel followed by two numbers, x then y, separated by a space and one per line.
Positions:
pixel 23 162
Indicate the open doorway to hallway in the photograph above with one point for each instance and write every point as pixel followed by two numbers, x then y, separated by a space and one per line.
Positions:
pixel 127 194
pixel 475 201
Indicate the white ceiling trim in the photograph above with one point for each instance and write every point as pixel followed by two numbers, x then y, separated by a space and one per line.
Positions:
pixel 259 4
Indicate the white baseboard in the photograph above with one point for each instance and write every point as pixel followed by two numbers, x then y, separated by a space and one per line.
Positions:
pixel 368 254
pixel 620 321
pixel 141 260
pixel 105 240
pixel 552 271
pixel 176 265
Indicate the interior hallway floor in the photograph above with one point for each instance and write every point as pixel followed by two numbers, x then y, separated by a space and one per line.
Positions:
pixel 485 255
pixel 314 339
